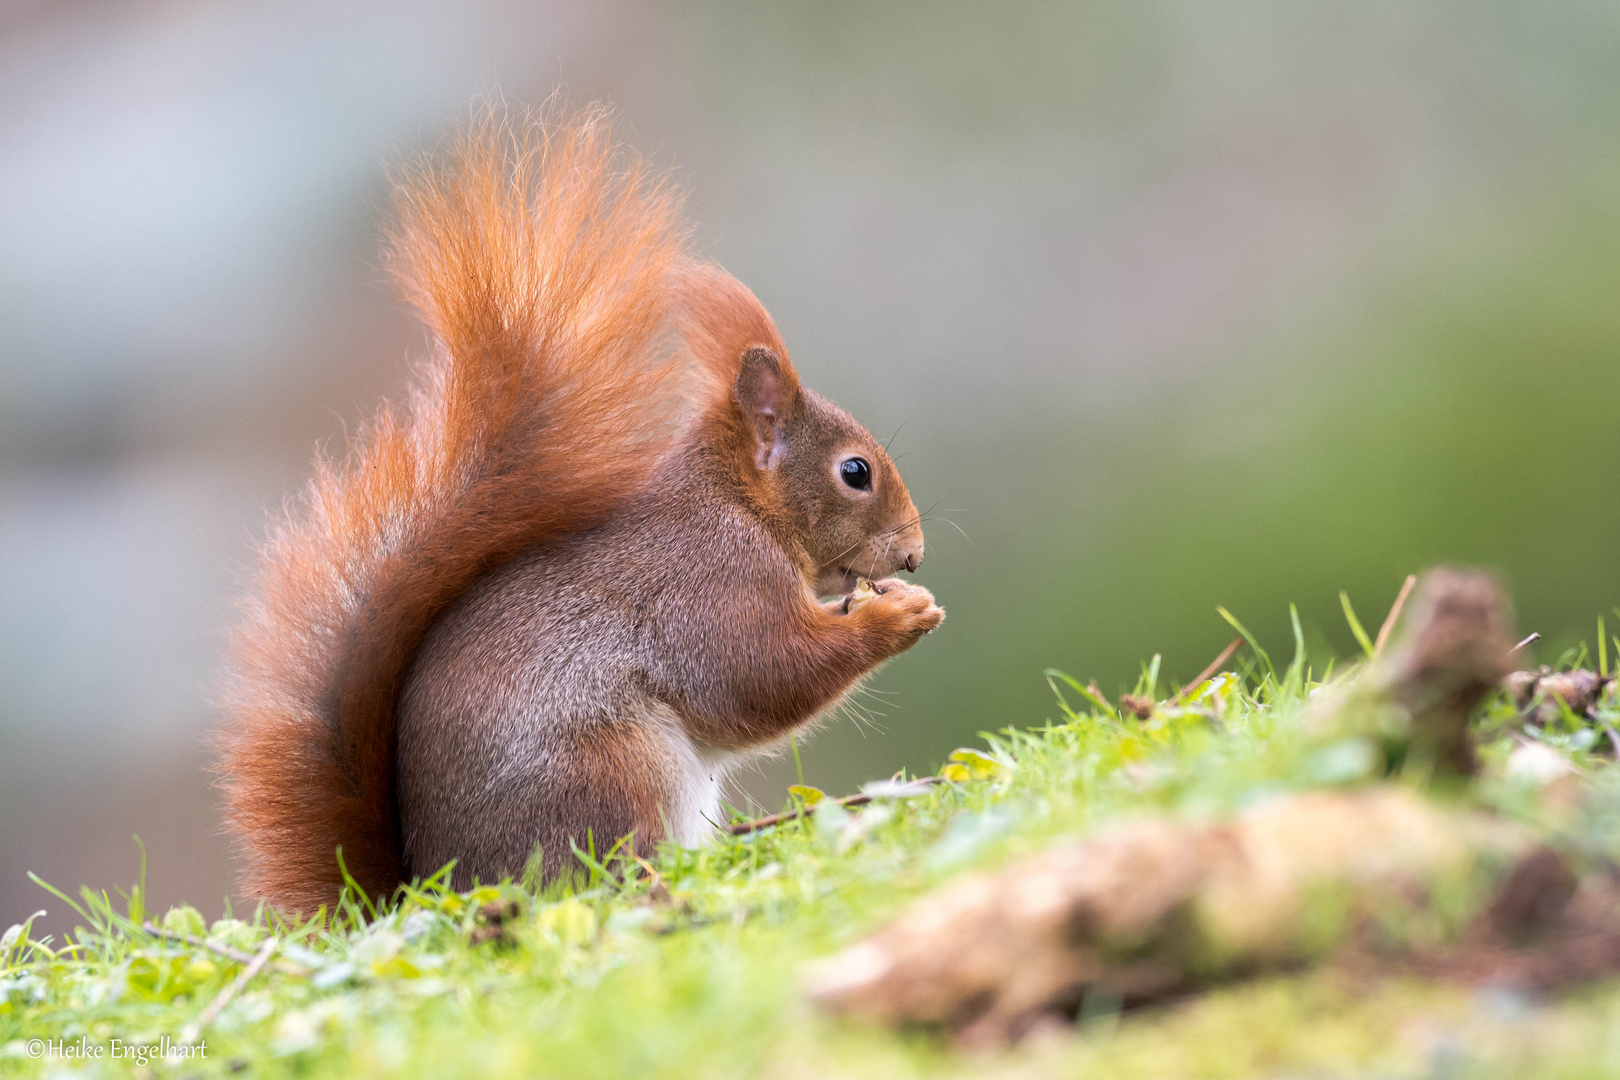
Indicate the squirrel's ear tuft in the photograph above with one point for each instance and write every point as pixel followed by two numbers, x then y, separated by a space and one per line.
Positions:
pixel 765 394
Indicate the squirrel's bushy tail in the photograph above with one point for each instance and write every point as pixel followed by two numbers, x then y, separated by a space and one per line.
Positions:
pixel 540 259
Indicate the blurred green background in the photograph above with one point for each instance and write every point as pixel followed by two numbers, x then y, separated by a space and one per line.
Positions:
pixel 1167 305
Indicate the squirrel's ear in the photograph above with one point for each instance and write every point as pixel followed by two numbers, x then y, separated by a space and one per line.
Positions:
pixel 766 395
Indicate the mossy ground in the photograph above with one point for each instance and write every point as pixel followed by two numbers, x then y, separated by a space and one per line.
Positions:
pixel 599 978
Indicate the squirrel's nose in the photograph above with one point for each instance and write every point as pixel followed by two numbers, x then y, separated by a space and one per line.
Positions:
pixel 912 561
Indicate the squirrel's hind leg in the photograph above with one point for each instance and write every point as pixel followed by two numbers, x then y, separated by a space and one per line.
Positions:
pixel 629 782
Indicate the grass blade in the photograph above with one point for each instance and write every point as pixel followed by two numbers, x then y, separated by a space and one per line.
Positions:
pixel 1265 657
pixel 1355 625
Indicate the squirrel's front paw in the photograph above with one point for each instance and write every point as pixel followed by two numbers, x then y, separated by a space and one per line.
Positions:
pixel 911 606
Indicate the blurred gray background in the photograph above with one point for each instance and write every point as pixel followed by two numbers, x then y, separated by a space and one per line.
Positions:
pixel 1167 305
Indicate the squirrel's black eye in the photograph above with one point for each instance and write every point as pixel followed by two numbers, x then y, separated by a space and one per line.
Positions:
pixel 856 473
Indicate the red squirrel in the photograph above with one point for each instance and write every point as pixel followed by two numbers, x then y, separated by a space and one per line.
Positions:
pixel 581 573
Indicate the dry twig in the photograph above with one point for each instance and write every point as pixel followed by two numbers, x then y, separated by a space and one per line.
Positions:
pixel 235 956
pixel 1157 907
pixel 1394 613
pixel 225 996
pixel 743 828
pixel 1209 672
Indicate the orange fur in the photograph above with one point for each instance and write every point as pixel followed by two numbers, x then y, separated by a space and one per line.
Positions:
pixel 548 280
pixel 720 319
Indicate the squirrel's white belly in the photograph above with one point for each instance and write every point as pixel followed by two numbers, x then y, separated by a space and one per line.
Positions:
pixel 697 778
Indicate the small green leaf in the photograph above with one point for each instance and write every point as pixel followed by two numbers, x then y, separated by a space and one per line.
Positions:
pixel 185 919
pixel 980 766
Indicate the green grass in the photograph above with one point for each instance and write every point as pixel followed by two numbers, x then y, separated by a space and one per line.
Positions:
pixel 595 979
